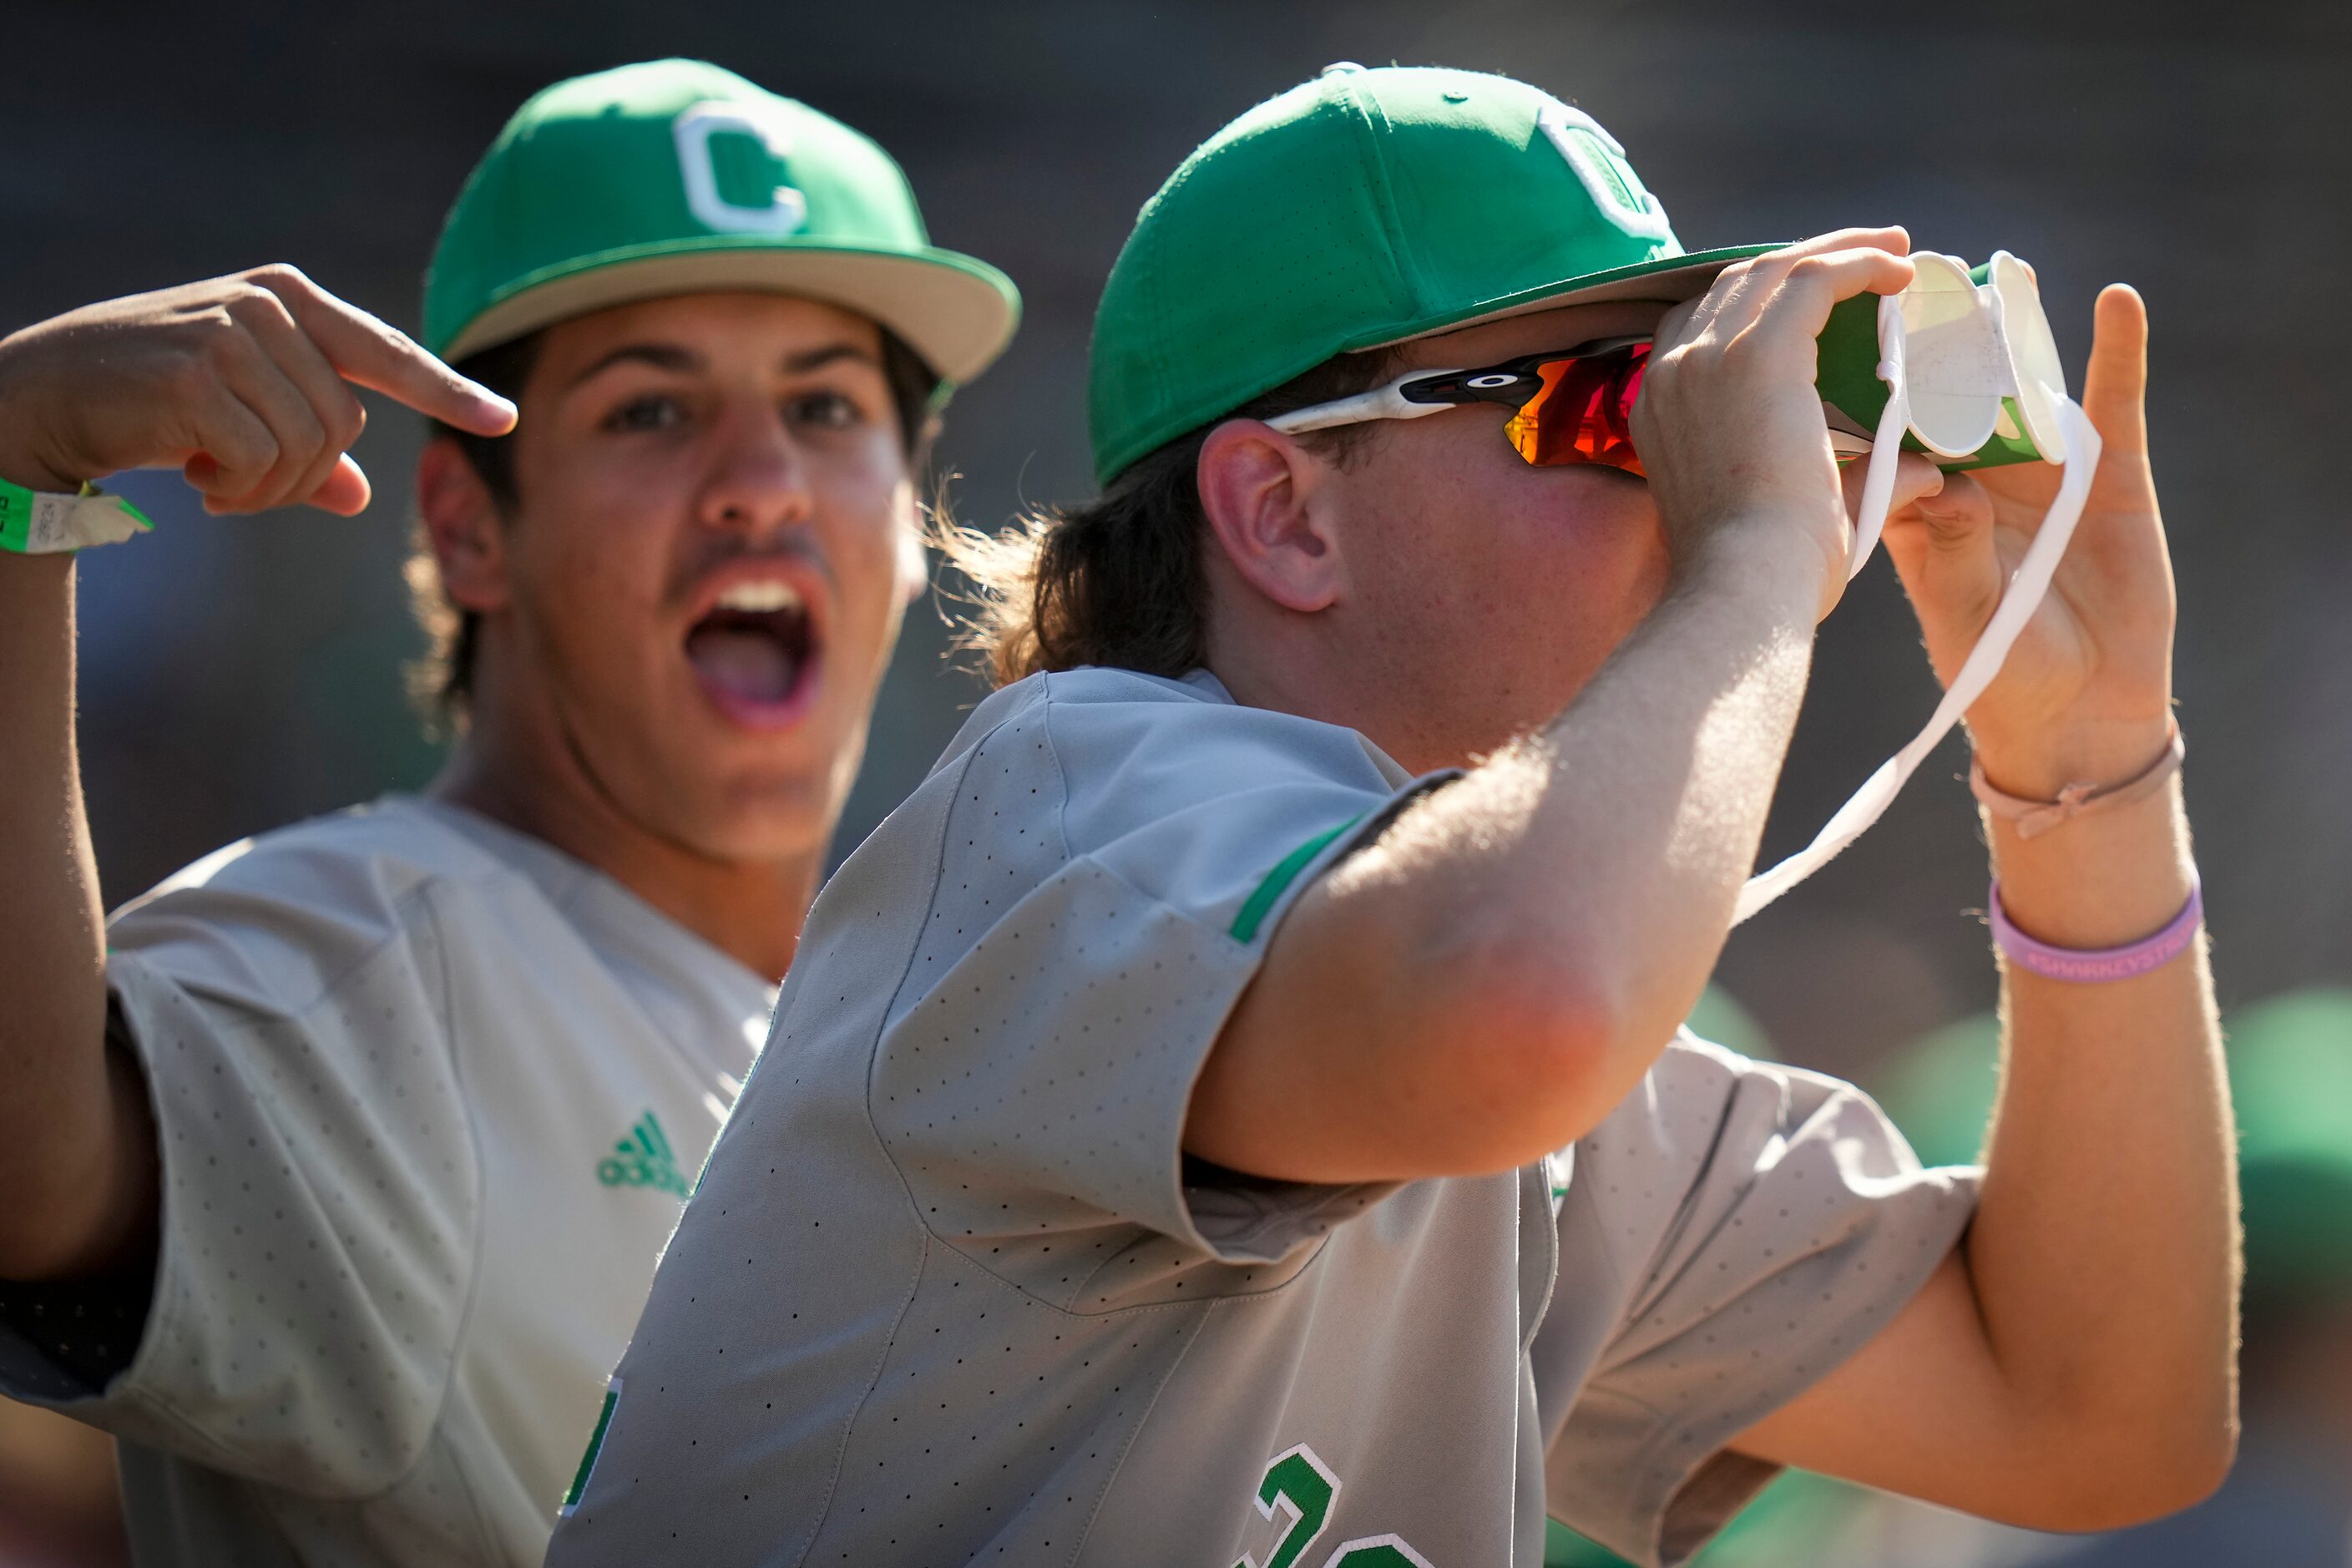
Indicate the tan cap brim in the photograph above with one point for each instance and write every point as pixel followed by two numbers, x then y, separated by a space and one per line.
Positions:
pixel 957 313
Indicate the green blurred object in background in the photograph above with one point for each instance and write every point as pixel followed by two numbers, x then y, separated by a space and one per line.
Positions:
pixel 1720 1017
pixel 2291 1077
pixel 2291 1084
pixel 1769 1532
pixel 1939 1089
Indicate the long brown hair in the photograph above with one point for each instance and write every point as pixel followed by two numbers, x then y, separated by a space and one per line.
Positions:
pixel 1119 580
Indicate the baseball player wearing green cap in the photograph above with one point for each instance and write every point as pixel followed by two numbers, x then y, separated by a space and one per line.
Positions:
pixel 342 1159
pixel 1233 1112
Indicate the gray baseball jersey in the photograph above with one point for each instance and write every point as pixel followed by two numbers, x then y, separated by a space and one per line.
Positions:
pixel 950 1292
pixel 428 1096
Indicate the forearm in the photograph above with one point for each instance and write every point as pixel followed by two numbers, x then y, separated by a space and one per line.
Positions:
pixel 239 382
pixel 62 1133
pixel 1610 847
pixel 1490 978
pixel 2104 1255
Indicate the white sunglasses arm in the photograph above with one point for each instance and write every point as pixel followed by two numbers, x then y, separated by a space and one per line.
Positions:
pixel 1381 403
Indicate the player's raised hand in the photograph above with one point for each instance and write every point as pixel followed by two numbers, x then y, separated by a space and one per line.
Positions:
pixel 1729 425
pixel 242 383
pixel 2086 694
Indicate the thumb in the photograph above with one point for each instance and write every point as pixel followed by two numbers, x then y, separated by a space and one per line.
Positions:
pixel 345 492
pixel 1953 521
pixel 1944 550
pixel 1916 480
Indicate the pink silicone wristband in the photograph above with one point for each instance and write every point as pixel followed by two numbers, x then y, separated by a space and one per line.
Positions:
pixel 2089 966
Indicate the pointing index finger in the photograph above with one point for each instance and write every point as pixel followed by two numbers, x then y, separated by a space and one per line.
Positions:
pixel 368 353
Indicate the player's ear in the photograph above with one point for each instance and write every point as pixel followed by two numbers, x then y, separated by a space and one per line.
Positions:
pixel 914 561
pixel 461 519
pixel 1259 491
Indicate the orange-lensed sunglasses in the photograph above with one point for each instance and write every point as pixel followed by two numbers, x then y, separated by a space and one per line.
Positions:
pixel 1574 406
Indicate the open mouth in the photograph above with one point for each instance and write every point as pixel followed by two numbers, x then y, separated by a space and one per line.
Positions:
pixel 756 653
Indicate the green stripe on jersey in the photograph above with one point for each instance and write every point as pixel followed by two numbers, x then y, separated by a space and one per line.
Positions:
pixel 595 1444
pixel 1261 902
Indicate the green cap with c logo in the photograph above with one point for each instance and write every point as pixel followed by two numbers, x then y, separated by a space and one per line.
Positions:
pixel 677 177
pixel 1361 209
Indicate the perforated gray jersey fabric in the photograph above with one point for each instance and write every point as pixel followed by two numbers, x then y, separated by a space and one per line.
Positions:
pixel 394 1056
pixel 950 1293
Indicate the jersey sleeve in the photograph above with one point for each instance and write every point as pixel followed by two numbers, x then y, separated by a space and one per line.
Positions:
pixel 1110 873
pixel 1758 1224
pixel 319 1189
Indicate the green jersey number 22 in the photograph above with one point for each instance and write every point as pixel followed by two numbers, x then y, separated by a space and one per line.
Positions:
pixel 1299 1484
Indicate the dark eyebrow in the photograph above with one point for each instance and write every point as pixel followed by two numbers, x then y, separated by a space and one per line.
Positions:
pixel 817 358
pixel 661 356
pixel 671 357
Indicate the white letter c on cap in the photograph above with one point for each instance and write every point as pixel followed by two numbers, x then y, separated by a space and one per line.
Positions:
pixel 1599 163
pixel 787 209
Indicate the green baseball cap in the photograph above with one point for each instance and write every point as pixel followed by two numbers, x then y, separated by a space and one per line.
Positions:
pixel 677 177
pixel 1361 209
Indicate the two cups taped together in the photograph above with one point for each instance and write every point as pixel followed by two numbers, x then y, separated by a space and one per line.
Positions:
pixel 1966 370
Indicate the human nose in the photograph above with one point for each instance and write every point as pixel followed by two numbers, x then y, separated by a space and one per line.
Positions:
pixel 758 481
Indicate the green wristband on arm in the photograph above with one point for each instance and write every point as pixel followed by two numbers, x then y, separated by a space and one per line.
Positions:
pixel 38 522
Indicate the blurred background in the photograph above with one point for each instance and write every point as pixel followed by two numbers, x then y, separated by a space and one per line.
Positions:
pixel 236 675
